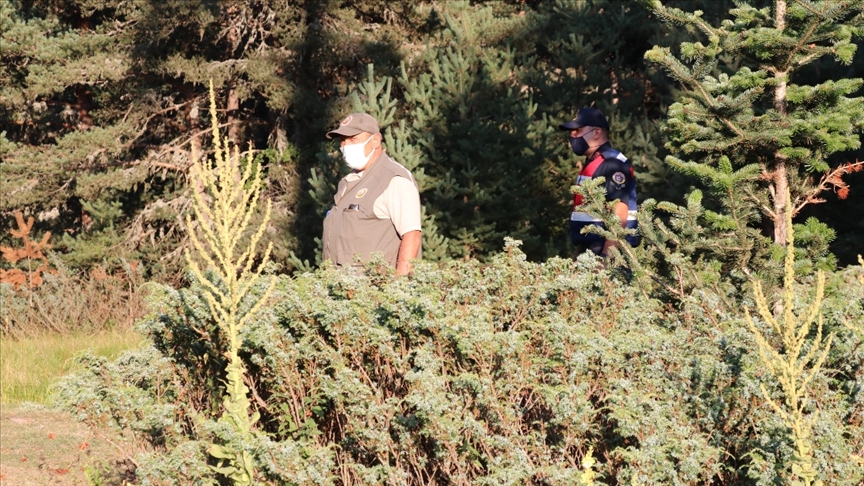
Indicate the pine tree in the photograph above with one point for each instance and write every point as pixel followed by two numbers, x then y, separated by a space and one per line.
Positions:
pixel 100 112
pixel 742 102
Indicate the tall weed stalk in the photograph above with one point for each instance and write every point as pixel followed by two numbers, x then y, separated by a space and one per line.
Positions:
pixel 789 363
pixel 225 199
pixel 857 326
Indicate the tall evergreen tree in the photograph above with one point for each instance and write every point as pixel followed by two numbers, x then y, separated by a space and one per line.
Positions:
pixel 744 111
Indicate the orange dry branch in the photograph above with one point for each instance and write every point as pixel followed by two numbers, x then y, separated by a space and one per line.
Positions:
pixel 32 251
pixel 832 179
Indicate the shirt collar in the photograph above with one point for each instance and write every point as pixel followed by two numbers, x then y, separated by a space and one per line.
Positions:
pixel 599 152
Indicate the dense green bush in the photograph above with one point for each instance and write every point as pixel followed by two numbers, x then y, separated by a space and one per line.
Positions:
pixel 500 373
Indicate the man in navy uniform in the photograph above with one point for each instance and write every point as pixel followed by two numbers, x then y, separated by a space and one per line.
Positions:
pixel 589 136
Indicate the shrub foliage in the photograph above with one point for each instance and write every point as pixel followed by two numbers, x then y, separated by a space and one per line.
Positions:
pixel 508 372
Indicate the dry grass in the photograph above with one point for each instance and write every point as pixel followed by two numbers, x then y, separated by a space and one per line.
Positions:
pixel 39 294
pixel 66 303
pixel 29 365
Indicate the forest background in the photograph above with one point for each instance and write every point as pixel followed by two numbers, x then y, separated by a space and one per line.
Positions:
pixel 710 354
pixel 101 103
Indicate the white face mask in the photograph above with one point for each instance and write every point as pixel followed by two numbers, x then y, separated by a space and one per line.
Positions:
pixel 354 156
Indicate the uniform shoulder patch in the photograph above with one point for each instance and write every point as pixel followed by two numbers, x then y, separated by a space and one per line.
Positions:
pixel 619 178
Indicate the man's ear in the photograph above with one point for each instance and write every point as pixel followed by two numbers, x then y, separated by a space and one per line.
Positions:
pixel 377 142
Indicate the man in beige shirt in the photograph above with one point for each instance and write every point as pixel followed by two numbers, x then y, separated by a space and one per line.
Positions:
pixel 376 207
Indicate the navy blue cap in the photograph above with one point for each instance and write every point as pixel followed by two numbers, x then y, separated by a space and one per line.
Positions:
pixel 586 117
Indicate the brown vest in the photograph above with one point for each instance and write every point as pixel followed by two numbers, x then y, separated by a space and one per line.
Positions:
pixel 351 227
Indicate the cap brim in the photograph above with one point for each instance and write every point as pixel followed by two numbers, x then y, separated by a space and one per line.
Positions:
pixel 571 125
pixel 344 132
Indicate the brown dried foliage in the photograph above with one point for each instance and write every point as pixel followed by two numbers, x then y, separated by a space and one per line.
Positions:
pixel 31 252
pixel 68 304
pixel 833 179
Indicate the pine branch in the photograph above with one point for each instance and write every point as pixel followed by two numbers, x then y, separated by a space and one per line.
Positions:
pixel 810 7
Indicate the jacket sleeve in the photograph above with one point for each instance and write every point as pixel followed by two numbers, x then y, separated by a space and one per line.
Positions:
pixel 619 179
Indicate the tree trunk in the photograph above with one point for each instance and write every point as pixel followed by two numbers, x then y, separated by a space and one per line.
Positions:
pixel 278 135
pixel 193 126
pixel 233 101
pixel 233 106
pixel 85 103
pixel 780 191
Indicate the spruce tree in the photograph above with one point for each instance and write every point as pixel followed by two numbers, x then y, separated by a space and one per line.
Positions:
pixel 743 111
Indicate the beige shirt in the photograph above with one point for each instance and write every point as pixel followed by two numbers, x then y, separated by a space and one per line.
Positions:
pixel 400 203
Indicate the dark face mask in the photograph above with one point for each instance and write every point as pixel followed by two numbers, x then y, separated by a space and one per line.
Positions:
pixel 579 145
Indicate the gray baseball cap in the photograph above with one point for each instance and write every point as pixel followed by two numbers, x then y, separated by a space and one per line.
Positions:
pixel 355 123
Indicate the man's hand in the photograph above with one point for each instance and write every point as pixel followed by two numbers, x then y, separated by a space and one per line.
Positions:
pixel 407 250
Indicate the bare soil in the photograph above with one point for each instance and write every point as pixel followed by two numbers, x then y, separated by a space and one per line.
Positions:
pixel 40 446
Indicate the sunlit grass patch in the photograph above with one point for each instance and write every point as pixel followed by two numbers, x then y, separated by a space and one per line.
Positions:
pixel 30 365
